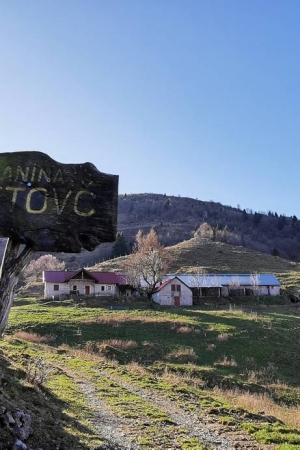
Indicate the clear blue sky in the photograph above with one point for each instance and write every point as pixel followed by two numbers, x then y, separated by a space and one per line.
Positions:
pixel 198 98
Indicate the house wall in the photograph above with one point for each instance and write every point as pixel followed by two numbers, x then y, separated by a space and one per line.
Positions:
pixel 65 288
pixel 165 296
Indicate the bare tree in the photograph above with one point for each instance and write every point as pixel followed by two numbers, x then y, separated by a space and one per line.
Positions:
pixel 254 280
pixel 197 281
pixel 148 264
pixel 35 268
pixel 234 286
pixel 204 231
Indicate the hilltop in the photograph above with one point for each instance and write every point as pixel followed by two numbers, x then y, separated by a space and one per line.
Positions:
pixel 217 257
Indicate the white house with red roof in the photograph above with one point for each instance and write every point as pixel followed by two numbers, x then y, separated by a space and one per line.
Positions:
pixel 173 292
pixel 63 283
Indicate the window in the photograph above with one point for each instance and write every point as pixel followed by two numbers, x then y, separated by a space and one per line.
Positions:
pixel 56 287
pixel 175 287
pixel 74 288
pixel 102 288
pixel 109 288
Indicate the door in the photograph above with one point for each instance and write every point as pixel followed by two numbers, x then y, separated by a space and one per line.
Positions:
pixel 87 290
pixel 176 301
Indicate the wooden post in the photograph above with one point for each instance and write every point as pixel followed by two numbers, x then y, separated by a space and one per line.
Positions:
pixel 12 265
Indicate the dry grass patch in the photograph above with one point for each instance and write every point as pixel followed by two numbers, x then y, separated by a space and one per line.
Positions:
pixel 266 374
pixel 226 362
pixel 107 348
pixel 185 329
pixel 34 337
pixel 211 347
pixel 118 343
pixel 81 353
pixel 183 355
pixel 223 337
pixel 135 367
pixel 179 379
pixel 261 402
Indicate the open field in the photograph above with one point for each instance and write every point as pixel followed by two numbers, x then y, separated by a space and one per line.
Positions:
pixel 152 377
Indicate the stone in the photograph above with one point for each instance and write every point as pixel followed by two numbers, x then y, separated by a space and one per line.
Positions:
pixel 19 445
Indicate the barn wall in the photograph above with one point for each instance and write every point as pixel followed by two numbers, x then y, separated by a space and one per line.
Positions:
pixel 166 297
pixel 274 290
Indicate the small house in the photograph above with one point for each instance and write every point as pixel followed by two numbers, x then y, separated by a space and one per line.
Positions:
pixel 62 283
pixel 173 292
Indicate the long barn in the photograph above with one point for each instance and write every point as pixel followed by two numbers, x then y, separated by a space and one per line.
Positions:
pixel 224 285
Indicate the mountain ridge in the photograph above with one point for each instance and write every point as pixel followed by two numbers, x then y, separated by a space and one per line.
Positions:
pixel 177 219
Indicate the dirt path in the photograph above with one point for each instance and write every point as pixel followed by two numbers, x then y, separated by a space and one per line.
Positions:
pixel 126 433
pixel 205 427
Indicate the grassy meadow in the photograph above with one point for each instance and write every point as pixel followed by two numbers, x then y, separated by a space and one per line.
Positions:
pixel 235 370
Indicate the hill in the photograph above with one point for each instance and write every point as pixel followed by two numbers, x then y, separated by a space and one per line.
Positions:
pixel 177 219
pixel 217 257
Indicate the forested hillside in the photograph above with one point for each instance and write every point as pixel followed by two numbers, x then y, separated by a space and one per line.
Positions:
pixel 177 219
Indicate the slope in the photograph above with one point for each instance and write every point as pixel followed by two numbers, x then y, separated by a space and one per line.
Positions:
pixel 217 257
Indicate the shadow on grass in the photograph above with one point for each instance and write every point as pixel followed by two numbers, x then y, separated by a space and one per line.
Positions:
pixel 23 302
pixel 239 347
pixel 49 422
pixel 233 344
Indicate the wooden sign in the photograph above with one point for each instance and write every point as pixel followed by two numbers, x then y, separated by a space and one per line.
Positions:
pixel 56 207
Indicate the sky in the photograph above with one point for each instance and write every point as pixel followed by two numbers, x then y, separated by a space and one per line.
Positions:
pixel 197 98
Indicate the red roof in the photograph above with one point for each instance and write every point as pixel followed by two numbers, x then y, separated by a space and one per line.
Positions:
pixel 159 288
pixel 63 276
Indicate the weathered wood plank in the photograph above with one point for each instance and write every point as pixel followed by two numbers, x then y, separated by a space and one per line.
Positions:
pixel 12 265
pixel 56 207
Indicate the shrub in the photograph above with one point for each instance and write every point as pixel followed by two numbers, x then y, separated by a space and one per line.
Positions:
pixel 38 371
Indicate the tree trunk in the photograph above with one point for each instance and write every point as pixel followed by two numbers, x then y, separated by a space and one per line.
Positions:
pixel 12 265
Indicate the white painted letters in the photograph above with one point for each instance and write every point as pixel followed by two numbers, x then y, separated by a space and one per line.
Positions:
pixel 28 180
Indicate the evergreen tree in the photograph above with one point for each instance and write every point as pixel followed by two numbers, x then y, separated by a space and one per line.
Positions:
pixel 244 216
pixel 120 247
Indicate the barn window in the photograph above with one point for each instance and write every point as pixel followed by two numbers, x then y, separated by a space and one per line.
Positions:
pixel 109 288
pixel 56 287
pixel 102 288
pixel 74 288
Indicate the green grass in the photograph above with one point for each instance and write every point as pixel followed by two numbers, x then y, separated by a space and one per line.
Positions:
pixel 253 351
pixel 273 433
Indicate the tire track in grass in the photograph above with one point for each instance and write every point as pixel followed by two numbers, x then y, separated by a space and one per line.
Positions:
pixel 203 426
pixel 107 424
pixel 132 422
